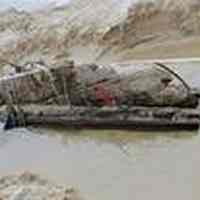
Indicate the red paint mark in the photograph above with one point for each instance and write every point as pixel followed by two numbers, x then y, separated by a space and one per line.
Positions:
pixel 103 95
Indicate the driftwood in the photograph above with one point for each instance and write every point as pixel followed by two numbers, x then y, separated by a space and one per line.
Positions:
pixel 107 117
pixel 99 96
pixel 76 85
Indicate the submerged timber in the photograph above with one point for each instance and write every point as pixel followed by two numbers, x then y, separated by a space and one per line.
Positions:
pixel 135 96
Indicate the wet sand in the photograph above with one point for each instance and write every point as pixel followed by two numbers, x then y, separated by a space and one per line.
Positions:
pixel 183 48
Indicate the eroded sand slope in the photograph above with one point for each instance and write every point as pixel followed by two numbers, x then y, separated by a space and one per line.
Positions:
pixel 101 31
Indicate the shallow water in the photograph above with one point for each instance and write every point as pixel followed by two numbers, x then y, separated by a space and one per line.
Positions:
pixel 108 164
pixel 111 164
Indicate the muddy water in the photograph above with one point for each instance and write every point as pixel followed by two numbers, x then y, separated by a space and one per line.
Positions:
pixel 111 164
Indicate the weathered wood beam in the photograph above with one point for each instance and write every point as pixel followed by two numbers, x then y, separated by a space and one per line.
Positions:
pixel 110 117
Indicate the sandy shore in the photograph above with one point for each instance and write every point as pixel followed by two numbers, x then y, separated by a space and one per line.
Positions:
pixel 28 186
pixel 184 48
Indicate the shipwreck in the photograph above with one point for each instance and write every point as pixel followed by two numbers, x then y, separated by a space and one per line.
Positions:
pixel 127 96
